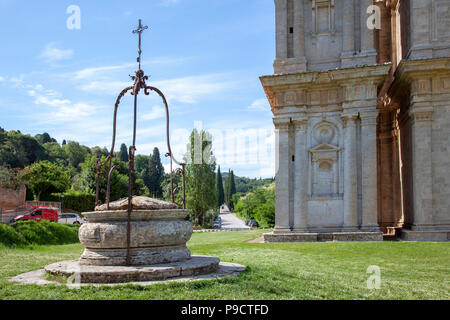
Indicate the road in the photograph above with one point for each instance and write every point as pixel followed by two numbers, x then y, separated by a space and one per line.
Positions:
pixel 230 221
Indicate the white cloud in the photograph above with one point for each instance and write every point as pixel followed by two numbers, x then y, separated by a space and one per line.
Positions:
pixel 2 79
pixel 156 113
pixel 186 90
pixel 107 72
pixel 95 72
pixel 260 105
pixel 52 54
pixel 190 89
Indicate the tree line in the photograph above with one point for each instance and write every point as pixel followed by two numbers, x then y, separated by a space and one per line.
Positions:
pixel 50 169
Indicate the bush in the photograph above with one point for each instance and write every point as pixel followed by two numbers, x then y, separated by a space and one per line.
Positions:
pixel 10 237
pixel 206 220
pixel 41 233
pixel 76 201
pixel 259 205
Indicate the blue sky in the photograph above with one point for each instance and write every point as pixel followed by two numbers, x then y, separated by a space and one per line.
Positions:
pixel 205 55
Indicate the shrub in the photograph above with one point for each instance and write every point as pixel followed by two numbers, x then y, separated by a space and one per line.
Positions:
pixel 76 201
pixel 37 233
pixel 10 237
pixel 259 205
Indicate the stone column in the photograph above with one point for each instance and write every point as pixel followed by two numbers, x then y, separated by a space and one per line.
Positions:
pixel 422 120
pixel 299 33
pixel 282 175
pixel 369 171
pixel 281 29
pixel 349 26
pixel 350 174
pixel 300 176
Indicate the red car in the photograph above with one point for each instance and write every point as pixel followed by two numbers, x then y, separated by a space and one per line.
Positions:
pixel 39 214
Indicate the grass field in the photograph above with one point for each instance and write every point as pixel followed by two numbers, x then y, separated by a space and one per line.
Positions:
pixel 409 270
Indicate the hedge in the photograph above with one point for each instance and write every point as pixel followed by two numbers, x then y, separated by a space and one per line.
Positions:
pixel 41 233
pixel 76 201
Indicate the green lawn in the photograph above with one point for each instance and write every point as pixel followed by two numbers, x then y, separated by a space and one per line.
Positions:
pixel 409 270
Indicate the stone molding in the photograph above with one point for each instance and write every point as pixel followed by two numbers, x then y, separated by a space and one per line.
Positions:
pixel 344 88
pixel 421 114
pixel 282 123
pixel 368 119
pixel 349 120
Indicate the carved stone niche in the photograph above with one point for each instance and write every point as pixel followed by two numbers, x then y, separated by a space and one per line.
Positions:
pixel 325 171
pixel 324 163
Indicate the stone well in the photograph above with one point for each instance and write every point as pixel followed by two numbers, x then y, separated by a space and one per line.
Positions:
pixel 159 232
pixel 158 236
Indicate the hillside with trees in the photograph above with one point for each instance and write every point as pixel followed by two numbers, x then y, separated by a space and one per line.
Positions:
pixel 50 169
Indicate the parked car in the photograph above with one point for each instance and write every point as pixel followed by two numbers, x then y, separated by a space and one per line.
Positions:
pixel 70 218
pixel 218 223
pixel 39 214
pixel 253 224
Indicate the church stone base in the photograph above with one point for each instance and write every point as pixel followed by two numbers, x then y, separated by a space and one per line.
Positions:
pixel 317 237
pixel 412 235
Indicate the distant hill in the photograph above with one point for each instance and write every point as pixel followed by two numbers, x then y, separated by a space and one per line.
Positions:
pixel 245 185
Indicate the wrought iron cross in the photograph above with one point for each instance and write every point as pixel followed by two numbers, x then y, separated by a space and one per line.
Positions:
pixel 139 31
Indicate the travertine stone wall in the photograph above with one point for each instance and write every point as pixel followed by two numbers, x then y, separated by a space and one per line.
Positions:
pixel 425 131
pixel 318 35
pixel 429 31
pixel 362 117
pixel 320 120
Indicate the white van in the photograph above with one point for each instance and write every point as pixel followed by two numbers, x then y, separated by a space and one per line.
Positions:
pixel 70 218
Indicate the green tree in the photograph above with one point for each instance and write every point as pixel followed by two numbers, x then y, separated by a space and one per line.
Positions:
pixel 45 177
pixel 154 174
pixel 99 152
pixel 141 163
pixel 123 154
pixel 201 191
pixel 55 153
pixel 230 189
pixel 76 153
pixel 259 205
pixel 87 179
pixel 18 150
pixel 44 138
pixel 220 192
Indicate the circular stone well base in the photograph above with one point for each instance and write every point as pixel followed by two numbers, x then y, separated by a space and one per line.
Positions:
pixel 40 277
pixel 195 266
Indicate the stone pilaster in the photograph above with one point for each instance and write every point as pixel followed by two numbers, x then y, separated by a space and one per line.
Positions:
pixel 350 173
pixel 422 119
pixel 369 172
pixel 282 175
pixel 349 28
pixel 299 61
pixel 301 176
pixel 367 35
pixel 281 34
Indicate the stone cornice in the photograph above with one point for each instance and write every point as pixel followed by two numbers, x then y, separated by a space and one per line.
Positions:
pixel 337 77
pixel 282 123
pixel 415 69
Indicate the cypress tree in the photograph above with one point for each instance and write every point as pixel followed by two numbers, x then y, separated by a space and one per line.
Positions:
pixel 154 174
pixel 123 154
pixel 220 191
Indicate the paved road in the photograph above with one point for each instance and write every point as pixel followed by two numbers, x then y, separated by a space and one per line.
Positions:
pixel 230 221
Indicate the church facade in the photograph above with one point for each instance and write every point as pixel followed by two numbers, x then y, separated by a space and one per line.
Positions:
pixel 361 103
